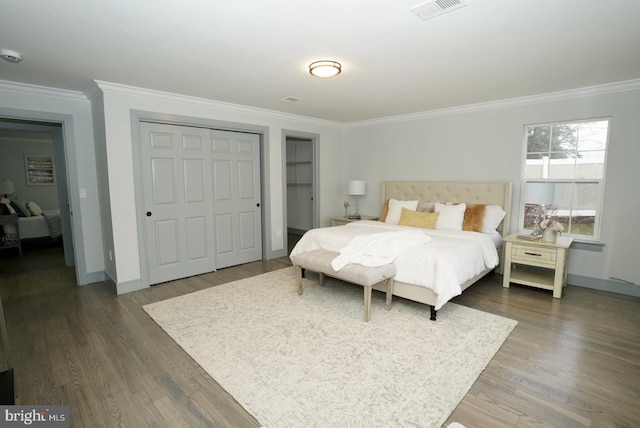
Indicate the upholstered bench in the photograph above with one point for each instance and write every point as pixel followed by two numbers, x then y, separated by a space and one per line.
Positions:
pixel 320 261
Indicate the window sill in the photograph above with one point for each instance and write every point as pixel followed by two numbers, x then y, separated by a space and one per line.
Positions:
pixel 588 246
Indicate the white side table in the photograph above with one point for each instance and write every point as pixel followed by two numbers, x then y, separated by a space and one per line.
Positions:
pixel 340 221
pixel 537 263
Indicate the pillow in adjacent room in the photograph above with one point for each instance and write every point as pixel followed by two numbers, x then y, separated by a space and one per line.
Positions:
pixel 493 215
pixel 23 206
pixel 451 216
pixel 474 217
pixel 34 208
pixel 418 219
pixel 7 203
pixel 395 210
pixel 4 209
pixel 20 210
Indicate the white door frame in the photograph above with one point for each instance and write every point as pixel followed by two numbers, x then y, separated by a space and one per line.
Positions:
pixel 138 116
pixel 314 138
pixel 64 145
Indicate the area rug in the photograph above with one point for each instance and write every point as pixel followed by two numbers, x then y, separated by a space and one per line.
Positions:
pixel 312 361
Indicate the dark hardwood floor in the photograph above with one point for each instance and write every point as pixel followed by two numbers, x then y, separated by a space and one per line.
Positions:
pixel 572 362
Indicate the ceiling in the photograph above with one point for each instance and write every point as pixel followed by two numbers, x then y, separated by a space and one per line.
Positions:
pixel 257 52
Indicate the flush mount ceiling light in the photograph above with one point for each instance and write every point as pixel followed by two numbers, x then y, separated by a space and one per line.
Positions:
pixel 11 56
pixel 325 68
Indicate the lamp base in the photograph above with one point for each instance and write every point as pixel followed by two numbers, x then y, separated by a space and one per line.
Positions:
pixel 354 217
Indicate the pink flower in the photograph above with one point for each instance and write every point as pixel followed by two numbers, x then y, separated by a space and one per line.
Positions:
pixel 551 224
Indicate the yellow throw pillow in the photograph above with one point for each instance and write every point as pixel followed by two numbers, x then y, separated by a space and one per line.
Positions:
pixel 418 219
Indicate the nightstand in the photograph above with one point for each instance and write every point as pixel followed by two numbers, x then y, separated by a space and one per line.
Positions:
pixel 537 263
pixel 340 221
pixel 10 240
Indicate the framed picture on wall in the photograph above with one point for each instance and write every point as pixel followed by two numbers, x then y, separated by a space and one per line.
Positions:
pixel 40 170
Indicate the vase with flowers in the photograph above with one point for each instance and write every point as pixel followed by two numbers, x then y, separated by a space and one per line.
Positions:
pixel 551 228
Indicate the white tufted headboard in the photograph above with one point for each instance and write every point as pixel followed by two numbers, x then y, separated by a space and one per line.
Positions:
pixel 472 192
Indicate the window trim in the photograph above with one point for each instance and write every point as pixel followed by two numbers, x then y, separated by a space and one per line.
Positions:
pixel 591 239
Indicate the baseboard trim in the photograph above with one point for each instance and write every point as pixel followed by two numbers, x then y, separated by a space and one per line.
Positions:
pixel 604 285
pixel 129 286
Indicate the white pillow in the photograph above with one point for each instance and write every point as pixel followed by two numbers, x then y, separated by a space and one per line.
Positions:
pixel 493 215
pixel 451 216
pixel 34 208
pixel 395 210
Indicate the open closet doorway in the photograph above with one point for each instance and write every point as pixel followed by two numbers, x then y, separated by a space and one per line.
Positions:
pixel 301 185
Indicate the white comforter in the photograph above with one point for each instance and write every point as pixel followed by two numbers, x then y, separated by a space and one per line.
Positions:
pixel 443 264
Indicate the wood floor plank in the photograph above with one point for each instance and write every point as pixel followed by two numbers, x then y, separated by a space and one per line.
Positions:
pixel 570 362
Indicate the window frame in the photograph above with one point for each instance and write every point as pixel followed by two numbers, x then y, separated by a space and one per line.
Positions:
pixel 598 203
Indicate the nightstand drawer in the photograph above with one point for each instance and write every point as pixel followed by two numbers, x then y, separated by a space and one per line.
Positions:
pixel 528 253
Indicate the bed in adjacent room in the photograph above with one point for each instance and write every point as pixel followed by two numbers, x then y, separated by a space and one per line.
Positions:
pixel 464 223
pixel 45 225
pixel 33 222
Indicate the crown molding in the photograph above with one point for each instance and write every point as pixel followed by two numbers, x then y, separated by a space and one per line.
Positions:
pixel 609 88
pixel 45 91
pixel 109 87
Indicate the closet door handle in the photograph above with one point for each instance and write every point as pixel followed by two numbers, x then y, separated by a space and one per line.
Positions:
pixel 148 213
pixel 258 204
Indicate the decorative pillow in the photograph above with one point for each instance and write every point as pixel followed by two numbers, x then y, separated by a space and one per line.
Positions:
pixel 23 206
pixel 5 209
pixel 473 217
pixel 395 210
pixel 7 203
pixel 418 219
pixel 34 209
pixel 21 211
pixel 385 210
pixel 493 215
pixel 426 207
pixel 451 216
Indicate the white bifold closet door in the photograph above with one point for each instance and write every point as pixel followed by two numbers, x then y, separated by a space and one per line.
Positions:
pixel 196 187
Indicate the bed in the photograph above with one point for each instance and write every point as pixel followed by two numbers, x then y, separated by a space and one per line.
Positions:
pixel 46 225
pixel 33 222
pixel 428 284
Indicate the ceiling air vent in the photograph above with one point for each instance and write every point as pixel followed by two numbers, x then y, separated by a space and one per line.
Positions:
pixel 433 8
pixel 290 99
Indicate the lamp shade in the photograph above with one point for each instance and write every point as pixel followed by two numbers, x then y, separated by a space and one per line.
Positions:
pixel 357 188
pixel 7 187
pixel 539 193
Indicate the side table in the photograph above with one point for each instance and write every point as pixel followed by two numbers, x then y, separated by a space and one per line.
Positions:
pixel 10 240
pixel 537 263
pixel 340 221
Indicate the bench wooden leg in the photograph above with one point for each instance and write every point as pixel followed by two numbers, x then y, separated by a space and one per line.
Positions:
pixel 389 293
pixel 300 276
pixel 367 302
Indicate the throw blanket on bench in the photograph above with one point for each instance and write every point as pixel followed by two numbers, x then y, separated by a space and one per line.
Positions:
pixel 377 249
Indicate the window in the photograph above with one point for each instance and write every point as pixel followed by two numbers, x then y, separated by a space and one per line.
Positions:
pixel 564 169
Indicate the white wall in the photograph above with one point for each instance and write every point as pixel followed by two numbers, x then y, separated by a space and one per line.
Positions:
pixel 118 103
pixel 12 167
pixel 73 111
pixel 485 143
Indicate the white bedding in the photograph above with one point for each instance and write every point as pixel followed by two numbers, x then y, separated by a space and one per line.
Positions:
pixel 39 226
pixel 443 264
